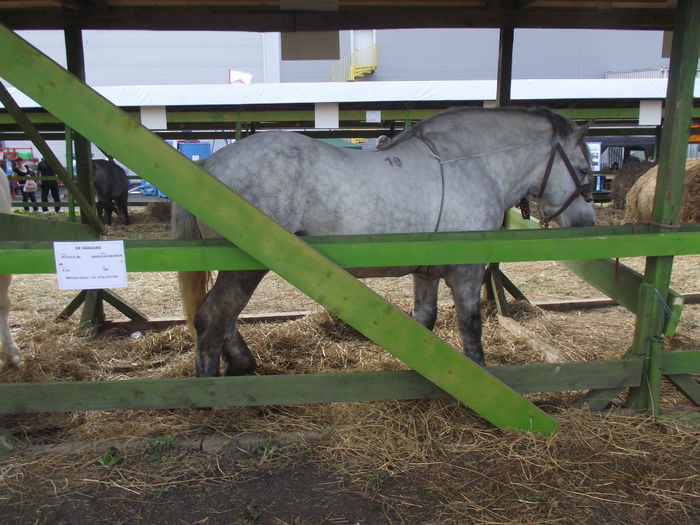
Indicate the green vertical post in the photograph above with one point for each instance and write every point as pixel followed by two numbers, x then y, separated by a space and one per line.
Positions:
pixel 647 312
pixel 672 156
pixel 262 238
pixel 69 172
pixel 75 59
pixel 505 66
pixel 494 282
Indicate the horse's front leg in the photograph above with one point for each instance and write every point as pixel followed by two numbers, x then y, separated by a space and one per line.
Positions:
pixel 7 344
pixel 465 282
pixel 425 295
pixel 215 323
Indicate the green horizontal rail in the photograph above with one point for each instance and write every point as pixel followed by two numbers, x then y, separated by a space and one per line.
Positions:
pixel 687 362
pixel 16 398
pixel 387 250
pixel 12 226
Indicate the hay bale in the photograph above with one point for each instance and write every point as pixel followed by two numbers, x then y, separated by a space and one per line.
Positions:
pixel 159 211
pixel 640 198
pixel 625 179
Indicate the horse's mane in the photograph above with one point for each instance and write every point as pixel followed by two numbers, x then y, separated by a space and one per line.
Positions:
pixel 562 127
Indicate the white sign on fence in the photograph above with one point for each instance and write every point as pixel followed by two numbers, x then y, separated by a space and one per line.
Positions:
pixel 90 265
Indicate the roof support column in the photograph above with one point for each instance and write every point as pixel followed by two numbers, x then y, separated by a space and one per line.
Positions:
pixel 83 151
pixel 494 278
pixel 669 185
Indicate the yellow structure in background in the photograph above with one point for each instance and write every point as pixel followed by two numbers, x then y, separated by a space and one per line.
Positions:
pixel 359 63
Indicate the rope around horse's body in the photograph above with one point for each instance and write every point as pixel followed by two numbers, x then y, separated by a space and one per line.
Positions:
pixel 494 152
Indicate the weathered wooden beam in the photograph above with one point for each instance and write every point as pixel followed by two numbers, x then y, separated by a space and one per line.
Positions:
pixel 75 59
pixel 204 18
pixel 16 398
pixel 17 227
pixel 688 386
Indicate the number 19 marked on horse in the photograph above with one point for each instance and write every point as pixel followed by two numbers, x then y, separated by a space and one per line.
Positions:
pixel 279 249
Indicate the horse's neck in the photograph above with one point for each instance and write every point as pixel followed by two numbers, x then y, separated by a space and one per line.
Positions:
pixel 530 164
pixel 514 165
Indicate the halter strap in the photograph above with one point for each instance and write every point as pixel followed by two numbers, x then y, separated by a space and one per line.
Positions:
pixel 582 190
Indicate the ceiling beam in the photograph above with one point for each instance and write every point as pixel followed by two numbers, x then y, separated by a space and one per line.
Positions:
pixel 228 19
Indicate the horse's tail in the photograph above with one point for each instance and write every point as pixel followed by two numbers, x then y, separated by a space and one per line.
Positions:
pixel 194 286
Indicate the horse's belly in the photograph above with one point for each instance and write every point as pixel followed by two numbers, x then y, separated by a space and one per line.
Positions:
pixel 392 271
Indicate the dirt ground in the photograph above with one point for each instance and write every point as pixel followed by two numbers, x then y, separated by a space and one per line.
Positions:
pixel 413 462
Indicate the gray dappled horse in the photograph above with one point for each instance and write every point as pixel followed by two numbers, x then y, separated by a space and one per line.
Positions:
pixel 8 348
pixel 459 170
pixel 112 190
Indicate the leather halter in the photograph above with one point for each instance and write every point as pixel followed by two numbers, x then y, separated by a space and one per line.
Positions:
pixel 582 190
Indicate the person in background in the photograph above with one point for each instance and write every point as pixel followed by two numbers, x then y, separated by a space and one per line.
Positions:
pixel 20 170
pixel 48 185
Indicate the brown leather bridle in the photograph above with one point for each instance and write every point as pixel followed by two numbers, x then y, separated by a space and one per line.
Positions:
pixel 582 189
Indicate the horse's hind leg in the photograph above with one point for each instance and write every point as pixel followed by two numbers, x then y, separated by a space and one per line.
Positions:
pixel 123 207
pixel 215 323
pixel 7 345
pixel 425 295
pixel 465 282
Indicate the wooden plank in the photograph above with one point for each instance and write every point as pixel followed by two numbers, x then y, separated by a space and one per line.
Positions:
pixel 72 306
pixel 387 250
pixel 288 256
pixel 684 362
pixel 675 303
pixel 688 385
pixel 121 305
pixel 17 228
pixel 18 398
pixel 645 337
pixel 191 17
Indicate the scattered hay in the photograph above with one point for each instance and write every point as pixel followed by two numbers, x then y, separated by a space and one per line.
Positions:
pixel 640 199
pixel 598 467
pixel 624 179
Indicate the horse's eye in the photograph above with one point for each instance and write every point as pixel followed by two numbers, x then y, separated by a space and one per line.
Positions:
pixel 584 171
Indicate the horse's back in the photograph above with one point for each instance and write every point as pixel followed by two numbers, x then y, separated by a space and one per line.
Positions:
pixel 314 188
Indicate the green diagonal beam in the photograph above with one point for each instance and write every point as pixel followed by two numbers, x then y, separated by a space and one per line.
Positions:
pixel 87 208
pixel 111 129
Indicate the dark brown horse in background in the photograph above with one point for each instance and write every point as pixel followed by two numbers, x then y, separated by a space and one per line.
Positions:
pixel 112 190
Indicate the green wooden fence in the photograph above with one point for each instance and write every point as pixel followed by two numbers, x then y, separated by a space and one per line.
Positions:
pixel 315 268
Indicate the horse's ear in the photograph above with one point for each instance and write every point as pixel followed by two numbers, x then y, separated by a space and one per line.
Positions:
pixel 583 130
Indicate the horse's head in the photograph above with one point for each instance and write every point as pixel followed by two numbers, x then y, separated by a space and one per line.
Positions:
pixel 565 194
